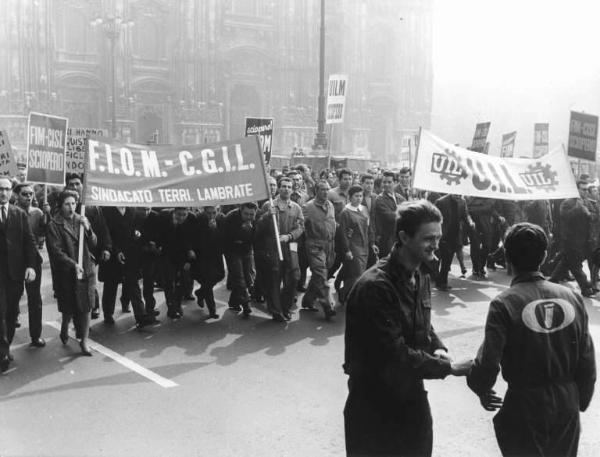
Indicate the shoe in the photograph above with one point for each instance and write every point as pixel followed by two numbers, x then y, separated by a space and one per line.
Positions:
pixel 109 320
pixel 38 342
pixel 17 324
pixel 236 308
pixel 278 317
pixel 213 316
pixel 311 308
pixel 258 299
pixel 246 310
pixel 95 314
pixel 126 309
pixel 11 358
pixel 173 313
pixel 189 297
pixel 463 276
pixel 287 316
pixel 588 292
pixel 301 289
pixel 153 312
pixel 443 287
pixel 4 363
pixel 146 321
pixel 329 313
pixel 85 350
pixel 64 338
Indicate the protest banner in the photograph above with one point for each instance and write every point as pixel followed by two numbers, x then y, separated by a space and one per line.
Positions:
pixel 583 136
pixel 136 175
pixel 8 164
pixel 75 153
pixel 262 127
pixel 480 138
pixel 336 99
pixel 540 139
pixel 46 144
pixel 337 163
pixel 442 167
pixel 508 144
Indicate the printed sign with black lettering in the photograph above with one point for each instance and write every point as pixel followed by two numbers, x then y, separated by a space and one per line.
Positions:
pixel 46 144
pixel 583 136
pixel 336 99
pixel 262 127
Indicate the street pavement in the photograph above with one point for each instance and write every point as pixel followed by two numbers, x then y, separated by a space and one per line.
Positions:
pixel 229 387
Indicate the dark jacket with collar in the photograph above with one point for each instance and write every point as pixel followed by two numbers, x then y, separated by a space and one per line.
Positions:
pixel 385 221
pixel 389 336
pixel 21 252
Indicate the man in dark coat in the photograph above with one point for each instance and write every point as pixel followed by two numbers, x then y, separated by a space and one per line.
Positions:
pixel 238 235
pixel 124 266
pixel 485 217
pixel 537 333
pixel 150 258
pixel 208 269
pixel 17 264
pixel 391 346
pixel 454 211
pixel 386 206
pixel 574 234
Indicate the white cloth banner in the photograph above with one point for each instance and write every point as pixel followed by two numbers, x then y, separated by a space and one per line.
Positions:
pixel 443 167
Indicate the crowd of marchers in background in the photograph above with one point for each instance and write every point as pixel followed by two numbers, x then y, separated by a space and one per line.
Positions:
pixel 335 223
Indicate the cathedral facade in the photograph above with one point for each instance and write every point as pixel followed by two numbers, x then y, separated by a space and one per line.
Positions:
pixel 190 71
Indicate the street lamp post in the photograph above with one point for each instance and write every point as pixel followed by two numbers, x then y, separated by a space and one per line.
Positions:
pixel 112 27
pixel 321 137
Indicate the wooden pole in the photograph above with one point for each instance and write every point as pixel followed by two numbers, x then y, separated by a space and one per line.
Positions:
pixel 81 240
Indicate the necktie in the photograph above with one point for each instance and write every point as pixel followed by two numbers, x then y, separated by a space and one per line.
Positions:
pixel 3 214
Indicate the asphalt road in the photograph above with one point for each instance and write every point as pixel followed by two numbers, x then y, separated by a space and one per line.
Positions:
pixel 228 387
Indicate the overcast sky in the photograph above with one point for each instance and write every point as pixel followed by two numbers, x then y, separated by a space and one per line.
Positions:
pixel 514 63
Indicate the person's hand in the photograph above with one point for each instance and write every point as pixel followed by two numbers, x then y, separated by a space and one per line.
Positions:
pixel 137 234
pixel 86 223
pixel 191 255
pixel 462 368
pixel 349 255
pixel 375 249
pixel 442 354
pixel 121 258
pixel 79 271
pixel 29 275
pixel 46 207
pixel 349 233
pixel 490 401
pixel 187 266
pixel 212 223
pixel 105 256
pixel 247 225
pixel 285 238
pixel 273 210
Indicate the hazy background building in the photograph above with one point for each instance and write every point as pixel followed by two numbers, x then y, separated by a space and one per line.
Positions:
pixel 190 71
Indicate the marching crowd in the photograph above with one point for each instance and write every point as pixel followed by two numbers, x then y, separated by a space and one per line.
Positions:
pixel 335 224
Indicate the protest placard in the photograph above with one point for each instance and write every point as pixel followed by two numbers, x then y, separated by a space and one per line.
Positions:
pixel 443 167
pixel 583 136
pixel 46 144
pixel 480 138
pixel 136 175
pixel 75 153
pixel 8 164
pixel 262 127
pixel 336 99
pixel 508 144
pixel 540 139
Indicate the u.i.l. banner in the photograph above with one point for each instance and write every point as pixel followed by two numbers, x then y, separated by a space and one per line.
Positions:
pixel 136 175
pixel 443 167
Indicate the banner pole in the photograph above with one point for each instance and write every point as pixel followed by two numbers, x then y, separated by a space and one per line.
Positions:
pixel 275 225
pixel 330 148
pixel 81 236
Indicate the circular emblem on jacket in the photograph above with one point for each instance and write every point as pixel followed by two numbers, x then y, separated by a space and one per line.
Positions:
pixel 548 315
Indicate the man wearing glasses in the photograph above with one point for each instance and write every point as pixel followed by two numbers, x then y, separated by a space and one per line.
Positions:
pixel 18 245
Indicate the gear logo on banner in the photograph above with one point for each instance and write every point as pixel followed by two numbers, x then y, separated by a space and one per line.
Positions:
pixel 447 166
pixel 540 177
pixel 548 315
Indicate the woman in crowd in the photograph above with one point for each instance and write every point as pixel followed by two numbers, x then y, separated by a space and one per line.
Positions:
pixel 356 239
pixel 74 284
